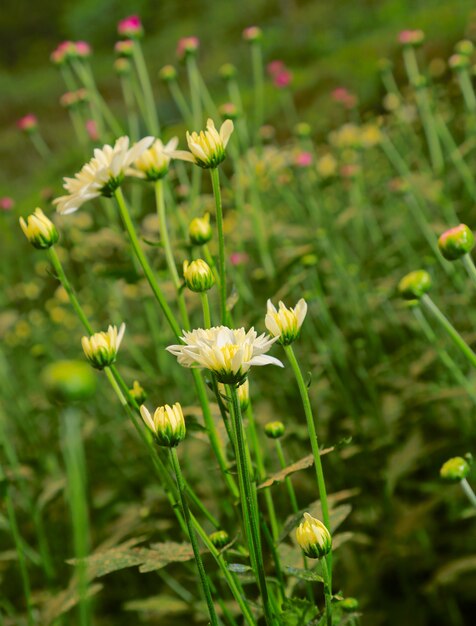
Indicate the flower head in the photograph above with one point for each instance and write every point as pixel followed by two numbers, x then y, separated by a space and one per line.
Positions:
pixel 207 148
pixel 167 424
pixel 455 469
pixel 414 285
pixel 274 430
pixel 130 27
pixel 411 37
pixel 198 275
pixel 226 352
pixel 101 348
pixel 7 203
pixel 313 537
pixel 199 230
pixel 39 230
pixel 285 324
pixel 187 46
pixel 154 162
pixel 102 175
pixel 138 392
pixel 456 242
pixel 124 48
pixel 220 538
pixel 168 73
pixel 28 123
pixel 252 34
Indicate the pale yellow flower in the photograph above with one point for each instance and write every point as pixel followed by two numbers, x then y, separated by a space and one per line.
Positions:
pixel 101 348
pixel 154 162
pixel 207 148
pixel 285 324
pixel 198 275
pixel 102 175
pixel 167 424
pixel 39 230
pixel 313 537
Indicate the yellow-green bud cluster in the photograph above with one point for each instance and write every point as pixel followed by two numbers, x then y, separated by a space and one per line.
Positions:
pixel 198 275
pixel 200 231
pixel 414 285
pixel 274 430
pixel 167 424
pixel 454 469
pixel 456 242
pixel 219 539
pixel 39 230
pixel 313 537
pixel 101 348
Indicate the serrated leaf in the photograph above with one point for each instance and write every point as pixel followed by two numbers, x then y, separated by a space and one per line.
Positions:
pixel 64 601
pixel 303 574
pixel 303 463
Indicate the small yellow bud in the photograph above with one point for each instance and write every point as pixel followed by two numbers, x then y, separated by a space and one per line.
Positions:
pixel 39 230
pixel 200 231
pixel 454 469
pixel 207 148
pixel 198 275
pixel 414 285
pixel 313 537
pixel 219 539
pixel 285 323
pixel 167 424
pixel 101 348
pixel 274 430
pixel 153 163
pixel 138 392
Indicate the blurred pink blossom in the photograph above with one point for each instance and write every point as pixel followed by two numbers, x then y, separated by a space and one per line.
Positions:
pixel 130 26
pixel 187 45
pixel 239 258
pixel 303 159
pixel 28 122
pixel 92 130
pixel 7 203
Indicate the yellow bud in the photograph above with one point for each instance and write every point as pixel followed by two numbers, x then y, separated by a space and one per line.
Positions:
pixel 101 348
pixel 39 230
pixel 167 424
pixel 313 537
pixel 198 275
pixel 200 231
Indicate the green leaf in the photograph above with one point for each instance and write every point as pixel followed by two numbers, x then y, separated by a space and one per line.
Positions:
pixel 303 463
pixel 304 574
pixel 298 612
pixel 239 568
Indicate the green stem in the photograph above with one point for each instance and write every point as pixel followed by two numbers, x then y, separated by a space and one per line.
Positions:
pixel 258 79
pixel 451 331
pixel 206 309
pixel 40 144
pixel 180 101
pixel 287 480
pixel 468 491
pixel 469 266
pixel 152 121
pixel 193 538
pixel 221 242
pixel 467 90
pixel 124 212
pixel 327 592
pixel 248 502
pixel 194 91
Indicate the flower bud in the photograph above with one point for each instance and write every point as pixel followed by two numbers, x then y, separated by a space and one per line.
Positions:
pixel 465 47
pixel 187 46
pixel 228 111
pixel 28 123
pixel 69 381
pixel 302 130
pixel 138 392
pixel 167 424
pixel 122 66
pixel 274 430
pixel 168 74
pixel 227 71
pixel 200 231
pixel 130 27
pixel 219 539
pixel 39 230
pixel 456 242
pixel 349 605
pixel 285 323
pixel 124 48
pixel 198 275
pixel 411 37
pixel 414 285
pixel 252 34
pixel 458 62
pixel 454 469
pixel 101 348
pixel 313 537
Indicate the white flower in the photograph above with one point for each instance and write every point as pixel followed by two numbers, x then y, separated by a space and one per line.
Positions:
pixel 285 324
pixel 101 348
pixel 207 148
pixel 226 352
pixel 102 175
pixel 154 162
pixel 167 424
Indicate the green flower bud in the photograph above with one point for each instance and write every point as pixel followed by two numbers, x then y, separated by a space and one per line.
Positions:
pixel 313 537
pixel 414 285
pixel 69 380
pixel 167 424
pixel 465 47
pixel 274 430
pixel 456 242
pixel 454 469
pixel 219 539
pixel 459 62
pixel 200 231
pixel 198 275
pixel 349 605
pixel 168 74
pixel 302 130
pixel 101 348
pixel 138 392
pixel 39 230
pixel 227 71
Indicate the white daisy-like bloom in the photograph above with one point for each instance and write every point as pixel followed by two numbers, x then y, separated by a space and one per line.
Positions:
pixel 207 148
pixel 153 163
pixel 227 352
pixel 285 324
pixel 101 348
pixel 102 175
pixel 167 424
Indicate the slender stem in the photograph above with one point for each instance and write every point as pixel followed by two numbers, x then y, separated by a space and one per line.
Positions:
pixel 327 591
pixel 470 267
pixel 144 263
pixel 194 91
pixel 468 491
pixel 451 331
pixel 206 309
pixel 193 538
pixel 314 442
pixel 152 118
pixel 248 502
pixel 287 480
pixel 40 144
pixel 257 62
pixel 180 101
pixel 221 242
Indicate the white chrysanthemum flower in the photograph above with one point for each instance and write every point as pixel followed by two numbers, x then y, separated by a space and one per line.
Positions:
pixel 285 324
pixel 102 175
pixel 39 230
pixel 313 537
pixel 101 348
pixel 167 424
pixel 207 148
pixel 153 163
pixel 226 352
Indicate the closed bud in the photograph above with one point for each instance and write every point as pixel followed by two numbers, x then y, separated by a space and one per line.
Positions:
pixel 130 27
pixel 167 424
pixel 285 323
pixel 198 275
pixel 454 469
pixel 458 62
pixel 200 231
pixel 101 348
pixel 124 48
pixel 313 537
pixel 138 392
pixel 187 46
pixel 349 605
pixel 414 285
pixel 122 66
pixel 456 242
pixel 465 47
pixel 252 34
pixel 302 130
pixel 69 381
pixel 168 73
pixel 274 430
pixel 411 38
pixel 228 111
pixel 39 230
pixel 227 71
pixel 219 539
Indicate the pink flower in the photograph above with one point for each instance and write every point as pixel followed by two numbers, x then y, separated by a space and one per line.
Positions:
pixel 239 258
pixel 345 97
pixel 303 159
pixel 282 79
pixel 124 48
pixel 130 27
pixel 92 130
pixel 7 203
pixel 411 37
pixel 274 67
pixel 28 123
pixel 187 45
pixel 83 49
pixel 252 33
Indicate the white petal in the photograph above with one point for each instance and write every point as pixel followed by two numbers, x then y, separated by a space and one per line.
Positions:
pixel 264 359
pixel 225 131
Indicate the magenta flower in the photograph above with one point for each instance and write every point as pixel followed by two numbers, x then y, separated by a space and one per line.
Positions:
pixel 282 79
pixel 83 49
pixel 92 130
pixel 187 45
pixel 7 203
pixel 345 97
pixel 130 27
pixel 28 123
pixel 303 159
pixel 274 67
pixel 239 258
